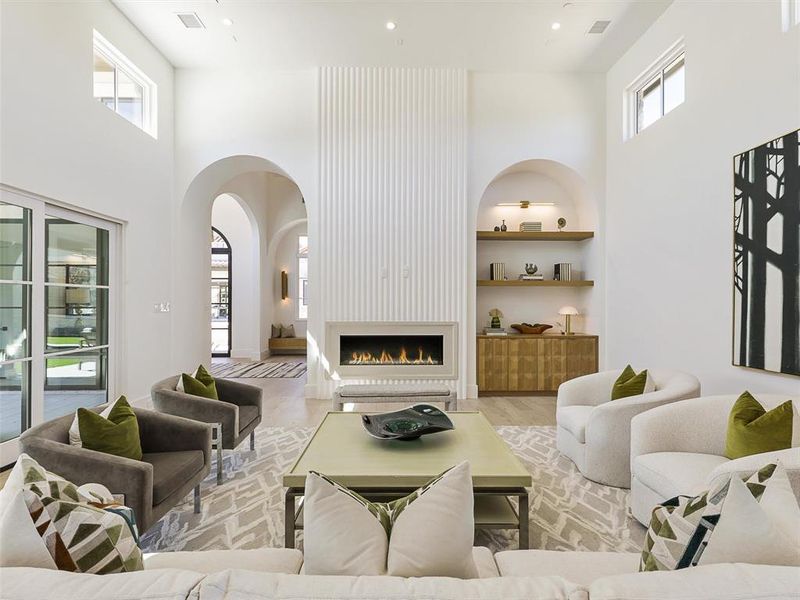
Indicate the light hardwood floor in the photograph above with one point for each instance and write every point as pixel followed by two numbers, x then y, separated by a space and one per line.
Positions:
pixel 285 406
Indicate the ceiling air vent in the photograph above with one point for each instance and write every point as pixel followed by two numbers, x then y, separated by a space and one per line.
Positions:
pixel 599 26
pixel 191 20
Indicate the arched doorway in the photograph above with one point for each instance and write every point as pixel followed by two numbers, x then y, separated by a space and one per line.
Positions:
pixel 221 288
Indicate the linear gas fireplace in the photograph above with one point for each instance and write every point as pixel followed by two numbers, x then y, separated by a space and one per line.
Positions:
pixel 402 350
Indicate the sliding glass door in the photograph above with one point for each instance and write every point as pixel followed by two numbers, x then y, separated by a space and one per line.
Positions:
pixel 56 329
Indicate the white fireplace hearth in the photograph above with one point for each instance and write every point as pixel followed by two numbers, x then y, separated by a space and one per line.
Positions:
pixel 392 350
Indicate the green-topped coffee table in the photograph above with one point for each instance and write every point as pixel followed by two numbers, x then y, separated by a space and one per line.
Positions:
pixel 382 469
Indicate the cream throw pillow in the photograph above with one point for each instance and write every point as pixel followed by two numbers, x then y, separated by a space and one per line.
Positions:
pixel 429 533
pixel 763 531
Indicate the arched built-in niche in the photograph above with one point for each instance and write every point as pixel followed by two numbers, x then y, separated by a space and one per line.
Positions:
pixel 247 178
pixel 539 181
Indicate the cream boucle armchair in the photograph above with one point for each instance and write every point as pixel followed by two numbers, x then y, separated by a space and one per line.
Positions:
pixel 595 432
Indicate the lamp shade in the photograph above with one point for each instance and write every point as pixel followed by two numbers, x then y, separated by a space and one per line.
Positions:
pixel 77 296
pixel 568 310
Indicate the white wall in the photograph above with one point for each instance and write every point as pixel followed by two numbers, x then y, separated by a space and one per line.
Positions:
pixel 233 123
pixel 553 123
pixel 285 259
pixel 56 140
pixel 230 219
pixel 670 197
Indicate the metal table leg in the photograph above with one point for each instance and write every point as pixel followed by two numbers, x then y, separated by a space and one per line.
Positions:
pixel 289 518
pixel 524 521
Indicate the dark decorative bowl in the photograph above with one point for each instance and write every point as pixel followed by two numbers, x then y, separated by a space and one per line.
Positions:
pixel 407 424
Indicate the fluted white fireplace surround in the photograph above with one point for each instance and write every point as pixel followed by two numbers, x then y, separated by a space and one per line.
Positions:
pixel 368 372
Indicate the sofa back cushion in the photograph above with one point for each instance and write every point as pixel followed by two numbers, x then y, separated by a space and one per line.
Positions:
pixel 22 583
pixel 249 585
pixel 711 582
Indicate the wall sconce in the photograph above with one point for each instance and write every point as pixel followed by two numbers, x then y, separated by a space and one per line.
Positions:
pixel 284 285
pixel 526 204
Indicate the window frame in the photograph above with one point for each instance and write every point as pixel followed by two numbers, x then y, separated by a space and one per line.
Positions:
pixel 120 62
pixel 41 209
pixel 655 72
pixel 301 256
pixel 227 250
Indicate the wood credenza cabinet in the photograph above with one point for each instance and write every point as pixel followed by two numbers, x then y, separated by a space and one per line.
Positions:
pixel 533 363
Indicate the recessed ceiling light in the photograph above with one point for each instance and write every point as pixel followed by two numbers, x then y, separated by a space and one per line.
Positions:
pixel 391 25
pixel 555 26
pixel 227 22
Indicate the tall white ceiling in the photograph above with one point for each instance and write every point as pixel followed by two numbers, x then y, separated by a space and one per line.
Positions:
pixel 491 35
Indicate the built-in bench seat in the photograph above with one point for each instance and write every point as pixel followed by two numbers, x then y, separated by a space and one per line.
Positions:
pixel 406 393
pixel 287 345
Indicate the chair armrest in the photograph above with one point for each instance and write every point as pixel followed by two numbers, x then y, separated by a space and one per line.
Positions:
pixel 745 466
pixel 240 394
pixel 167 433
pixel 181 404
pixel 587 390
pixel 133 478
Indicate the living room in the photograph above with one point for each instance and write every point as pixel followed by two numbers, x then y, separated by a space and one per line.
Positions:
pixel 340 209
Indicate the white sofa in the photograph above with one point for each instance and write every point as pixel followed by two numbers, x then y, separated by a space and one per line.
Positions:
pixel 594 431
pixel 517 575
pixel 679 450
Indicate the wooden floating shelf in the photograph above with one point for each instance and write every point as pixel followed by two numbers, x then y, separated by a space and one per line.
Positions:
pixel 529 283
pixel 541 236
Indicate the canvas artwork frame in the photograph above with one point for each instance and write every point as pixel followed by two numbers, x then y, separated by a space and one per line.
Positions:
pixel 766 256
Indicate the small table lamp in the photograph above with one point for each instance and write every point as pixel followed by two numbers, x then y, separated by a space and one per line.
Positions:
pixel 568 312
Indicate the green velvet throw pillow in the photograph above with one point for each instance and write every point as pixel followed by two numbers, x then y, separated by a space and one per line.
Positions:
pixel 753 430
pixel 202 384
pixel 629 384
pixel 117 435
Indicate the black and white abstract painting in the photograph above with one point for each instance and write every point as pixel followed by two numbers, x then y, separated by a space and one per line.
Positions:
pixel 766 256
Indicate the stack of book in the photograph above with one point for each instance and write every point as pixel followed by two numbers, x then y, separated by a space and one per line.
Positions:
pixel 536 277
pixel 495 331
pixel 497 271
pixel 530 226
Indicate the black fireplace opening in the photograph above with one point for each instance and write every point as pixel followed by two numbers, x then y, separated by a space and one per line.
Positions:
pixel 404 350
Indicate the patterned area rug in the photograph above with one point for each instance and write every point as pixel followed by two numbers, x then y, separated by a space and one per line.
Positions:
pixel 567 512
pixel 269 370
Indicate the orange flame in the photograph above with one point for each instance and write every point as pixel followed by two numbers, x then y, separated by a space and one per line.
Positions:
pixel 386 358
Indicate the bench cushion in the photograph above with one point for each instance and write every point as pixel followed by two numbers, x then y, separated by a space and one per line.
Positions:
pixel 171 470
pixel 389 391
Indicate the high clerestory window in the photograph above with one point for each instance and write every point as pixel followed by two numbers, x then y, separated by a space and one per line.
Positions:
pixel 123 87
pixel 658 90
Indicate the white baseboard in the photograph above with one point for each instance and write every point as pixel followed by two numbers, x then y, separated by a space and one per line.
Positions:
pixel 311 391
pixel 265 354
pixel 472 392
pixel 245 353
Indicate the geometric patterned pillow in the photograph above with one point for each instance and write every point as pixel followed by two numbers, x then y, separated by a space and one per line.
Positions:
pixel 80 534
pixel 681 527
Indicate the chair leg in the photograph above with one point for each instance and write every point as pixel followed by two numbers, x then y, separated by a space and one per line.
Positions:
pixel 252 440
pixel 197 499
pixel 218 447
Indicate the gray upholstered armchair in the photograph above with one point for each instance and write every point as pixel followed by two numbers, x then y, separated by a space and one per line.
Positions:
pixel 176 458
pixel 238 411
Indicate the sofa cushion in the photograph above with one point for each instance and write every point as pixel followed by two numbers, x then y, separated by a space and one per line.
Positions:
pixel 265 560
pixel 712 582
pixel 171 470
pixel 247 414
pixel 675 473
pixel 118 434
pixel 484 562
pixel 574 420
pixel 248 585
pixel 28 583
pixel 579 567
